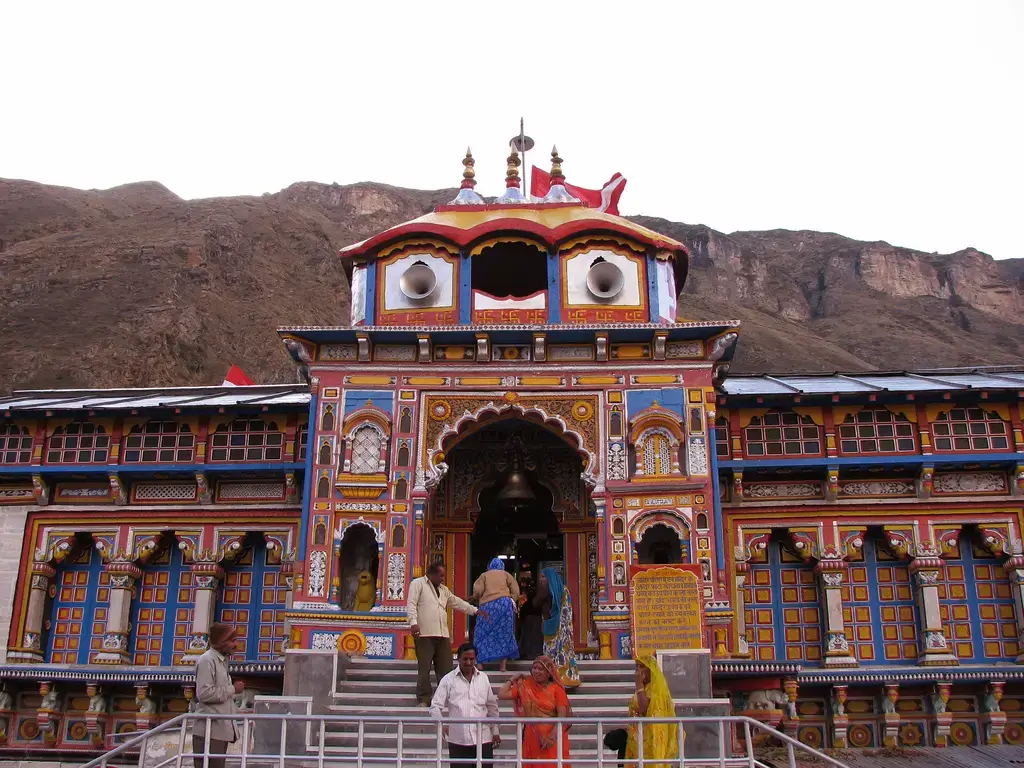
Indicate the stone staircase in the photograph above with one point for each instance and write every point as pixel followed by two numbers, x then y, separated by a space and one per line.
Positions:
pixel 388 689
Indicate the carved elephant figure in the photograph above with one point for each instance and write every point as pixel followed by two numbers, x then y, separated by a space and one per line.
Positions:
pixel 767 699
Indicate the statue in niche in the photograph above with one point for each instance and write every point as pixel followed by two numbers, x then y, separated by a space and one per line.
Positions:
pixel 359 565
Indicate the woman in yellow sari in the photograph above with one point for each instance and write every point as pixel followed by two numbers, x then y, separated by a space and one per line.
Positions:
pixel 651 699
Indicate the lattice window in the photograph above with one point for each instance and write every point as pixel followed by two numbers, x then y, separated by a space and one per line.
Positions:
pixel 722 447
pixel 301 440
pixel 976 606
pixel 15 444
pixel 877 431
pixel 79 611
pixel 156 607
pixel 366 444
pixel 878 608
pixel 782 434
pixel 253 601
pixel 970 429
pixel 783 614
pixel 159 442
pixel 78 443
pixel 247 440
pixel 657 453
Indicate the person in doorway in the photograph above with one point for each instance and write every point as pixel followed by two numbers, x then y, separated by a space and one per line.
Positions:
pixel 497 593
pixel 466 693
pixel 215 695
pixel 531 624
pixel 557 614
pixel 540 694
pixel 427 610
pixel 651 698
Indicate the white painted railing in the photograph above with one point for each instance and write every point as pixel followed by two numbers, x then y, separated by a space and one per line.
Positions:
pixel 734 743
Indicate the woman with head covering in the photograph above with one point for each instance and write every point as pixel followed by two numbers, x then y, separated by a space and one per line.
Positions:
pixel 651 699
pixel 497 594
pixel 558 641
pixel 540 694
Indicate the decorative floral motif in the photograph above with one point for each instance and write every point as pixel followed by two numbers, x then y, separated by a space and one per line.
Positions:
pixel 697 456
pixel 625 647
pixel 165 491
pixel 440 410
pixel 877 488
pixel 396 576
pixel 325 641
pixel 380 646
pixel 249 491
pixel 782 490
pixel 317 573
pixel 582 410
pixel 676 350
pixel 970 482
pixel 338 352
pixel 837 642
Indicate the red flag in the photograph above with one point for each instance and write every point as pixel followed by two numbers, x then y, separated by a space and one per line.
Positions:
pixel 605 199
pixel 236 378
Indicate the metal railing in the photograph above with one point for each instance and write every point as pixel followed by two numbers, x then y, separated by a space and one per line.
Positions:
pixel 420 742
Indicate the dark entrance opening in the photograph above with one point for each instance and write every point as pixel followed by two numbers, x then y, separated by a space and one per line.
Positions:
pixel 659 545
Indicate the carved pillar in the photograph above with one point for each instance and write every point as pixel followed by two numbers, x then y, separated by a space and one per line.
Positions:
pixel 840 720
pixel 1017 481
pixel 791 722
pixel 123 575
pixel 926 571
pixel 943 719
pixel 892 717
pixel 42 574
pixel 6 713
pixel 832 484
pixel 740 601
pixel 1015 570
pixel 831 574
pixel 737 486
pixel 924 482
pixel 206 578
pixel 48 713
pixel 994 719
pixel 288 571
pixel 96 715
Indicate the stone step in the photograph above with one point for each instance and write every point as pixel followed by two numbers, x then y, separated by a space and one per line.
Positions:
pixel 365 672
pixel 610 709
pixel 376 688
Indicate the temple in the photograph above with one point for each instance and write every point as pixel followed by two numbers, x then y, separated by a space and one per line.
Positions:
pixel 517 378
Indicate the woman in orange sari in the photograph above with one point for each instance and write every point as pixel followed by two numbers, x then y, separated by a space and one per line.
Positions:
pixel 540 694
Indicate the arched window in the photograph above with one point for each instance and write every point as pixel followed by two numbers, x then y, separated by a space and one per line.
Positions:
pixel 325 454
pixel 783 613
pixel 323 488
pixel 398 536
pixel 403 455
pixel 320 535
pixel 879 612
pixel 253 601
pixel 702 521
pixel 78 613
pixel 366 445
pixel 162 611
pixel 876 430
pixel 615 424
pixel 301 441
pixel 405 424
pixel 970 429
pixel 618 526
pixel 657 455
pixel 782 433
pixel 722 448
pixel 247 440
pixel 327 420
pixel 401 488
pixel 660 545
pixel 15 444
pixel 159 442
pixel 976 606
pixel 78 443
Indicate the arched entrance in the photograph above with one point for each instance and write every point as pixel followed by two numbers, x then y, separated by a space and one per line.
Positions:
pixel 513 489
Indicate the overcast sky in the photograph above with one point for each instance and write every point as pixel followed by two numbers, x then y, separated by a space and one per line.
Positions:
pixel 899 121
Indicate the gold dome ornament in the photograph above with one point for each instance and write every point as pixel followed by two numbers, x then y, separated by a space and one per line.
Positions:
pixel 513 194
pixel 467 193
pixel 557 193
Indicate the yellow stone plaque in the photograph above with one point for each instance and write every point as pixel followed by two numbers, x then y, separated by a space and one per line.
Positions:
pixel 666 608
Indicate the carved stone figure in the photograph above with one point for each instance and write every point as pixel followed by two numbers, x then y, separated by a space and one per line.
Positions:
pixel 366 592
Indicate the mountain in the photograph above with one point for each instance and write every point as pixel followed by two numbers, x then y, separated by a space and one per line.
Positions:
pixel 134 286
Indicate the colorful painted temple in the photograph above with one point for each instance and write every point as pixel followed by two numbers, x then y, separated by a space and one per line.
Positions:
pixel 858 535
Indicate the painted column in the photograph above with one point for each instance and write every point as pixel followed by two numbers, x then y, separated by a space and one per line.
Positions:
pixel 831 574
pixel 740 603
pixel 288 571
pixel 1015 570
pixel 943 718
pixel 42 574
pixel 993 719
pixel 791 722
pixel 925 571
pixel 206 578
pixel 123 575
pixel 840 720
pixel 892 717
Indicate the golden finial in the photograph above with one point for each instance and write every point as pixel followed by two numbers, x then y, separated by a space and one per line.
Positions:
pixel 556 167
pixel 512 173
pixel 468 175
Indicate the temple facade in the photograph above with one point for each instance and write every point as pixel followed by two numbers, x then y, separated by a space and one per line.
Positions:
pixel 858 535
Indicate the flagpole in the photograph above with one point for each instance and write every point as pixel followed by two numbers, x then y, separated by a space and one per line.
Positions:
pixel 526 168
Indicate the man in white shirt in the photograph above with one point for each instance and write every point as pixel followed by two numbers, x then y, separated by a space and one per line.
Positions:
pixel 466 692
pixel 427 610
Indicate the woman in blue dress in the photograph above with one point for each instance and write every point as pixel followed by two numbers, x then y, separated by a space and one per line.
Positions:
pixel 497 594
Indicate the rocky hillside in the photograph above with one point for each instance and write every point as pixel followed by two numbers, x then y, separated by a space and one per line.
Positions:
pixel 133 286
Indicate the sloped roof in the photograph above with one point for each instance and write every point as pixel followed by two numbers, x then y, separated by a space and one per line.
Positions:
pixel 947 380
pixel 154 397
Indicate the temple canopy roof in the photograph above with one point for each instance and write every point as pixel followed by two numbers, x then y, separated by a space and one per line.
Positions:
pixel 155 397
pixel 943 380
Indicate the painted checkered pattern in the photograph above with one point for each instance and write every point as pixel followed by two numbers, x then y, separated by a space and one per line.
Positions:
pixel 79 610
pixel 977 607
pixel 253 601
pixel 783 614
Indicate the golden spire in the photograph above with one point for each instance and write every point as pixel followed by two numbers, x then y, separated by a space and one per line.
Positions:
pixel 512 173
pixel 557 193
pixel 556 167
pixel 467 195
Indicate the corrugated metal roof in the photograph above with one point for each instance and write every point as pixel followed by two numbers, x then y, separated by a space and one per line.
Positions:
pixel 179 397
pixel 849 383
